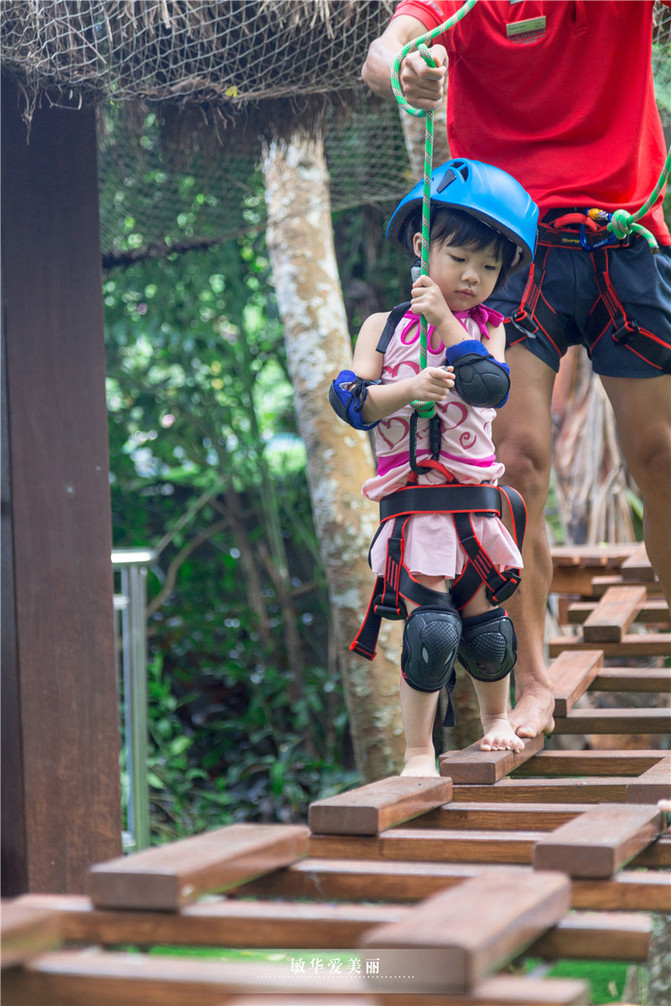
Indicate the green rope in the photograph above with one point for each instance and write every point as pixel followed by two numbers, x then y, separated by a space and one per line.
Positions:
pixel 622 224
pixel 424 409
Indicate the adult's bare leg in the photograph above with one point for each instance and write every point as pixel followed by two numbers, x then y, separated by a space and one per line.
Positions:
pixel 642 408
pixel 522 431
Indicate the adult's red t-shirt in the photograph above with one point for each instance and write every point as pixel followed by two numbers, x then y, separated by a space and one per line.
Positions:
pixel 566 106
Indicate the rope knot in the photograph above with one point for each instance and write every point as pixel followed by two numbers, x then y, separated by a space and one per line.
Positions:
pixel 622 224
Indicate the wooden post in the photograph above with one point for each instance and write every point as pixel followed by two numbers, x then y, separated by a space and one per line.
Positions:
pixel 60 744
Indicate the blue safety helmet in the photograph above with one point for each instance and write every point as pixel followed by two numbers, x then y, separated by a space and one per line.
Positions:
pixel 488 193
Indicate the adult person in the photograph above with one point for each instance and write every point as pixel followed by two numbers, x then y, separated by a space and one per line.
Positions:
pixel 560 95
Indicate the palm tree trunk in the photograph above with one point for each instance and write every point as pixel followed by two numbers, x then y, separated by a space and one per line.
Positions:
pixel 302 255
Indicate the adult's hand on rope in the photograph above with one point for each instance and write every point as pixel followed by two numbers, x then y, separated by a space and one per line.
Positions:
pixel 423 85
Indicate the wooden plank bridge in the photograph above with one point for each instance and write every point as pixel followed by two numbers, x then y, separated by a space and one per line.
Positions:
pixel 429 891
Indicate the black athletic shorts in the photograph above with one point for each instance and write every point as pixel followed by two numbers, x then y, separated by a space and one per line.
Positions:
pixel 642 282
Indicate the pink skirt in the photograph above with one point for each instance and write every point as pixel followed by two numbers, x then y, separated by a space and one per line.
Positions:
pixel 432 546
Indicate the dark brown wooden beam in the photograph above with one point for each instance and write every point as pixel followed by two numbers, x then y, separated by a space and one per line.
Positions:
pixel 60 729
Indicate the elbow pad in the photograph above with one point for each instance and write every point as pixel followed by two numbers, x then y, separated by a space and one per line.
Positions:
pixel 478 377
pixel 347 395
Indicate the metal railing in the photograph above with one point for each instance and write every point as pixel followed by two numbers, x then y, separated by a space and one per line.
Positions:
pixel 130 569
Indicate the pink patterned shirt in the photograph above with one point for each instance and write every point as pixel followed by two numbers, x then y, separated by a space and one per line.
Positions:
pixel 467 448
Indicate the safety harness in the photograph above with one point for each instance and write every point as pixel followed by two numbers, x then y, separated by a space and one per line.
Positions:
pixel 462 502
pixel 608 313
pixel 458 500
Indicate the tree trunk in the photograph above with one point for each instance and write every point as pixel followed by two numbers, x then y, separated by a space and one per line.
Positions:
pixel 300 245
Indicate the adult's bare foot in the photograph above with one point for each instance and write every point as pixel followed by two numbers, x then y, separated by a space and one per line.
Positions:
pixel 532 714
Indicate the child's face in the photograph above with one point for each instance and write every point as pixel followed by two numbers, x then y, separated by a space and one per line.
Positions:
pixel 466 277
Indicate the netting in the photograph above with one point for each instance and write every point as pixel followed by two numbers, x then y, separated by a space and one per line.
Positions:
pixel 151 204
pixel 218 78
pixel 225 56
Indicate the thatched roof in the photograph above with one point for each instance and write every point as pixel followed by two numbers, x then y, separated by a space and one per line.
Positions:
pixel 265 65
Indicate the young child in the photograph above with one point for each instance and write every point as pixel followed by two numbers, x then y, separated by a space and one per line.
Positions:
pixel 483 224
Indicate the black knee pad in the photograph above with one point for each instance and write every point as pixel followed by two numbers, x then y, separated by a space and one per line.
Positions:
pixel 488 648
pixel 430 643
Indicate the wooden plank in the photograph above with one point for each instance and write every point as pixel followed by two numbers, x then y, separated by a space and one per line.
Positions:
pixel 60 729
pixel 600 841
pixel 25 931
pixel 614 936
pixel 475 766
pixel 637 565
pixel 502 990
pixel 83 978
pixel 652 785
pixel 633 679
pixel 576 582
pixel 499 816
pixel 600 585
pixel 593 556
pixel 628 890
pixel 430 845
pixel 589 789
pixel 400 882
pixel 226 922
pixel 456 938
pixel 614 614
pixel 168 876
pixel 311 925
pixel 614 721
pixel 377 806
pixel 362 879
pixel 634 644
pixel 654 609
pixel 657 856
pixel 571 674
pixel 590 763
pixel 71 979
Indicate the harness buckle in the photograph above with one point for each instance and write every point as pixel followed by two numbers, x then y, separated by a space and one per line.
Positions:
pixel 506 589
pixel 625 332
pixel 393 612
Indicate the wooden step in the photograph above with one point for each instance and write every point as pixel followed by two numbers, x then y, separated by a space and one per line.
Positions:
pixel 73 978
pixel 454 939
pixel 633 644
pixel 633 679
pixel 378 805
pixel 654 610
pixel 637 565
pixel 399 882
pixel 475 766
pixel 614 721
pixel 431 845
pixel 25 931
pixel 652 785
pixel 555 764
pixel 571 674
pixel 600 841
pixel 614 614
pixel 171 875
pixel 274 924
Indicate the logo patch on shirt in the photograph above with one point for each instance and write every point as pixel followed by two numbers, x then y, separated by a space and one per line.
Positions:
pixel 527 31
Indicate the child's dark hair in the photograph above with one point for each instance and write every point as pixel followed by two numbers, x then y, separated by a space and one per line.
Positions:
pixel 460 228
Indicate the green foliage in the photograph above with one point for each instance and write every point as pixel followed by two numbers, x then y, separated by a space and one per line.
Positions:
pixel 247 718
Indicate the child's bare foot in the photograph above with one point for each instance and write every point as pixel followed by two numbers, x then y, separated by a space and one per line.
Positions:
pixel 420 762
pixel 500 735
